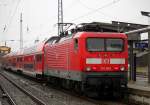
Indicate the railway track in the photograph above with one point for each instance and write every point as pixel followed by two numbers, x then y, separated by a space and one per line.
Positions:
pixel 62 96
pixel 5 98
pixel 17 94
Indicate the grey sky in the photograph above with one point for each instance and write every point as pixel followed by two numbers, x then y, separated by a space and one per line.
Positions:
pixel 40 16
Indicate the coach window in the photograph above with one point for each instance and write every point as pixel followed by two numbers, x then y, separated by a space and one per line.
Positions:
pixel 20 59
pixel 76 44
pixel 17 59
pixel 39 57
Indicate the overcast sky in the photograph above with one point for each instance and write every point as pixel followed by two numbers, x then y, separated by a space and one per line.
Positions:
pixel 40 16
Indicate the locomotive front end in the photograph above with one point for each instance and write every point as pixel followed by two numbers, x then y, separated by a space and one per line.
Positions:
pixel 105 62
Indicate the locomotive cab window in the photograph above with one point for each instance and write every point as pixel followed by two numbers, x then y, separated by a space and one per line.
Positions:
pixel 95 44
pixel 105 44
pixel 114 44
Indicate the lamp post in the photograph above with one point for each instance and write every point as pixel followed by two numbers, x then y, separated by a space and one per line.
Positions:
pixel 21 32
pixel 148 15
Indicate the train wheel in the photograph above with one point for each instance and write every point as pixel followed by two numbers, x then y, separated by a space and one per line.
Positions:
pixel 19 71
pixel 66 84
pixel 77 88
pixel 91 91
pixel 38 76
pixel 56 82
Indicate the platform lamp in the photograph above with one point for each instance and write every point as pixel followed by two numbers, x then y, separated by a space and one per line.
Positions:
pixel 148 15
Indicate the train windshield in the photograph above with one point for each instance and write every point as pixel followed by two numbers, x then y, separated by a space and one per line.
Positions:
pixel 95 44
pixel 114 44
pixel 104 44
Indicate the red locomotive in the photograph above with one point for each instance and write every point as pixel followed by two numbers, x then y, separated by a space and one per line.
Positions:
pixel 87 61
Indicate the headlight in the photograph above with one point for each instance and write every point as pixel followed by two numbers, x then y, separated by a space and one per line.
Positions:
pixel 88 69
pixel 94 68
pixel 122 68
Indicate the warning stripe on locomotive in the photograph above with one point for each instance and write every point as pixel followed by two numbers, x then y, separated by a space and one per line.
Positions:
pixel 105 61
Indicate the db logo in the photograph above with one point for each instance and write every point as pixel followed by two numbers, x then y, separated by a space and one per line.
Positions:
pixel 106 61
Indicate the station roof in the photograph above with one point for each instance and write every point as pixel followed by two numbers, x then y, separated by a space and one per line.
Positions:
pixel 120 27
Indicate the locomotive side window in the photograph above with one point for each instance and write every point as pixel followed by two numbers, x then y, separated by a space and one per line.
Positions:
pixel 76 43
pixel 95 44
pixel 114 44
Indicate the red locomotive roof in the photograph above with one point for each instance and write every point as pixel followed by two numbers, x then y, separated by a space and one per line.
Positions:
pixel 102 34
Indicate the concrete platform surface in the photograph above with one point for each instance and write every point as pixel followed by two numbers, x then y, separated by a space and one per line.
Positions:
pixel 140 83
pixel 139 87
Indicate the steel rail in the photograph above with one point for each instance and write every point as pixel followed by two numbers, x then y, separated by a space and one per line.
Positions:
pixel 83 97
pixel 8 96
pixel 34 98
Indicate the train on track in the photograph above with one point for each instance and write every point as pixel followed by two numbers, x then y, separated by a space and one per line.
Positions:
pixel 86 60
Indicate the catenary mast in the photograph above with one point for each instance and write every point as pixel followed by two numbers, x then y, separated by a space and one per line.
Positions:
pixel 60 17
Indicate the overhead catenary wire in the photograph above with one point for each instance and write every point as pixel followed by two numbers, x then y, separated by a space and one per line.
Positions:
pixel 11 18
pixel 102 13
pixel 73 3
pixel 84 5
pixel 95 10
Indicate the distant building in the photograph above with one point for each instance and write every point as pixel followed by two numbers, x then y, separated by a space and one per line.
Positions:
pixel 4 50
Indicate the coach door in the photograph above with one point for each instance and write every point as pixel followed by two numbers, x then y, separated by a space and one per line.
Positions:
pixel 38 63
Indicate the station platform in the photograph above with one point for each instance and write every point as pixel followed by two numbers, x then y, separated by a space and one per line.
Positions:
pixel 140 87
pixel 140 83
